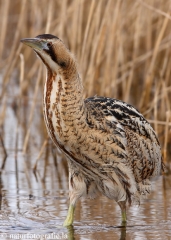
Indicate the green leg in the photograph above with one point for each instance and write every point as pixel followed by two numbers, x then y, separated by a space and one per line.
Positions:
pixel 70 216
pixel 124 217
pixel 123 211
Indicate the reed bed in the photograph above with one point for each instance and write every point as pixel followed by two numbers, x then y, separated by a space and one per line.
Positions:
pixel 123 50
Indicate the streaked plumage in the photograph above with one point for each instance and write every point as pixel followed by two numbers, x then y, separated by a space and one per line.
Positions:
pixel 111 148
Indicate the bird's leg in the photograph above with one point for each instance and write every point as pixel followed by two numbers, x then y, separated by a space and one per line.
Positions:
pixel 76 190
pixel 70 216
pixel 73 196
pixel 122 205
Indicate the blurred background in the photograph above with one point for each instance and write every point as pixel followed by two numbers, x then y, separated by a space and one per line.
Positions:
pixel 123 50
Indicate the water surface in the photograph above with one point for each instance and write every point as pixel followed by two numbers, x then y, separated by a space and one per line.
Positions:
pixel 30 205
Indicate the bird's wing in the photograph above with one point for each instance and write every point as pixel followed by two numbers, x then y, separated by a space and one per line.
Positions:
pixel 134 139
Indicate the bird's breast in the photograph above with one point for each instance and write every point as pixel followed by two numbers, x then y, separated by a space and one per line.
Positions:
pixel 52 108
pixel 60 111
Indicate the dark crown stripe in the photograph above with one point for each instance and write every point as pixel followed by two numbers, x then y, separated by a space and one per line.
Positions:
pixel 47 36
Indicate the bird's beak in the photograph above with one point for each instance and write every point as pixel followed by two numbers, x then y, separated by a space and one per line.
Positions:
pixel 35 43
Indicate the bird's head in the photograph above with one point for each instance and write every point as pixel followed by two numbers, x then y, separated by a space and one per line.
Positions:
pixel 51 50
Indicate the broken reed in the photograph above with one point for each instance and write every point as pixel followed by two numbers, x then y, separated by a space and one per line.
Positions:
pixel 123 49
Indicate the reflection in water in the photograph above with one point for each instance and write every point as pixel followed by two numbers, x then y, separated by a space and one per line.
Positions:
pixel 37 207
pixel 70 233
pixel 36 203
pixel 71 236
pixel 123 231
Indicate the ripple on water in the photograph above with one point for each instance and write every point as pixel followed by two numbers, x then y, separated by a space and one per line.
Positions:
pixel 41 209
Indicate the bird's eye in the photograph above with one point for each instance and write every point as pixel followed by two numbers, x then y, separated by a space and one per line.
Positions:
pixel 49 44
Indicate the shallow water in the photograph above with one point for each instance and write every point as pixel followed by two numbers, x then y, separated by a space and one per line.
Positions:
pixel 35 206
pixel 31 206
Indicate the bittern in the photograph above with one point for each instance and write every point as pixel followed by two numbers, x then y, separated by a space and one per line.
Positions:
pixel 111 148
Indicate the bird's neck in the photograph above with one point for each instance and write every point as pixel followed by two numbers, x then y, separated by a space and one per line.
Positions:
pixel 71 90
pixel 63 101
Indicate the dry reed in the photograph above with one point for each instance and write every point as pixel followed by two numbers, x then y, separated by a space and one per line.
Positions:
pixel 122 48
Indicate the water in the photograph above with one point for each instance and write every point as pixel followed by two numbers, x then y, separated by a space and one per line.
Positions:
pixel 34 206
